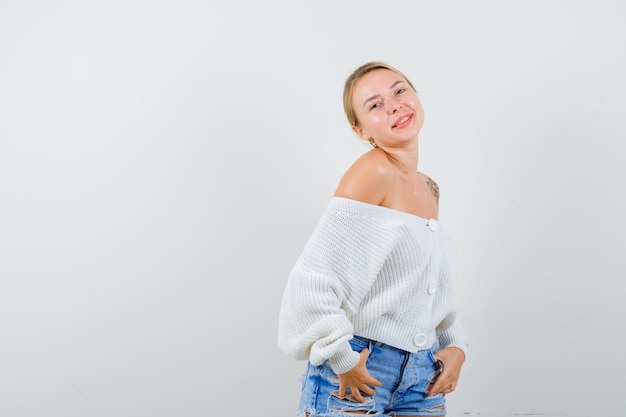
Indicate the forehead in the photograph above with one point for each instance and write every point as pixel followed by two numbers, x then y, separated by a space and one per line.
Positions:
pixel 377 81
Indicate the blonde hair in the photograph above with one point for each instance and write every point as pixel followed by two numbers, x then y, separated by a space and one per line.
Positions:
pixel 354 78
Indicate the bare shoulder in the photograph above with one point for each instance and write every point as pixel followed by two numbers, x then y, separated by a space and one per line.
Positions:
pixel 432 185
pixel 368 179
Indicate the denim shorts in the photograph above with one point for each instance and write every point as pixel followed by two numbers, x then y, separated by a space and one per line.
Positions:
pixel 404 376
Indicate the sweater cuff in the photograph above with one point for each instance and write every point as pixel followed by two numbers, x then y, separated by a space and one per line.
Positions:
pixel 454 337
pixel 344 359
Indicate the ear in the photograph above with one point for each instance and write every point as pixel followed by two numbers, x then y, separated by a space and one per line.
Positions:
pixel 362 133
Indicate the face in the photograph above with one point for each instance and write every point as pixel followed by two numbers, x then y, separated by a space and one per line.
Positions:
pixel 387 109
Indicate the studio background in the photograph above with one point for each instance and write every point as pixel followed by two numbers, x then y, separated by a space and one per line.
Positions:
pixel 162 164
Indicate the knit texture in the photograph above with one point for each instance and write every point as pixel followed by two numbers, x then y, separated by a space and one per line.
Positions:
pixel 375 272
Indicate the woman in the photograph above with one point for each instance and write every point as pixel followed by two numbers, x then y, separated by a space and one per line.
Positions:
pixel 370 302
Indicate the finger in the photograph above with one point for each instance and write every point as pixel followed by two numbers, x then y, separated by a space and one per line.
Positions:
pixel 370 380
pixel 365 353
pixel 356 393
pixel 441 387
pixel 342 391
pixel 432 389
pixel 367 390
pixel 437 386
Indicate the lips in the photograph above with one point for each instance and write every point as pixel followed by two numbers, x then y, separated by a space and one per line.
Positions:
pixel 402 121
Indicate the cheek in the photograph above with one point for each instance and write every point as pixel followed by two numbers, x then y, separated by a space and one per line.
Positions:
pixel 415 102
pixel 419 107
pixel 377 120
pixel 371 122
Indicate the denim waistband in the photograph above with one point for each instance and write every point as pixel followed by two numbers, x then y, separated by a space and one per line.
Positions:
pixel 371 342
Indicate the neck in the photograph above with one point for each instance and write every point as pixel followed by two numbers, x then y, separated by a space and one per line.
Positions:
pixel 405 159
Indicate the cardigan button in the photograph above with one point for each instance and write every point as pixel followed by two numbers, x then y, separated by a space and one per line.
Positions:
pixel 420 340
pixel 433 224
pixel 432 288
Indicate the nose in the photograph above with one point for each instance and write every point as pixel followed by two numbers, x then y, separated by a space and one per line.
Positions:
pixel 394 105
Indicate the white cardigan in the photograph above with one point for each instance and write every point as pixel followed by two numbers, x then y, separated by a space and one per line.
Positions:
pixel 374 272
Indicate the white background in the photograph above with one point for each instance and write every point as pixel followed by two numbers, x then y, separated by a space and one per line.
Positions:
pixel 162 164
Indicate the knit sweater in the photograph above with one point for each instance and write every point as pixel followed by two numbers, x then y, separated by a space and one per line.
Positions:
pixel 374 272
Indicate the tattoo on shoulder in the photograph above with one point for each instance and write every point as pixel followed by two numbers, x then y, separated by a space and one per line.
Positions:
pixel 433 186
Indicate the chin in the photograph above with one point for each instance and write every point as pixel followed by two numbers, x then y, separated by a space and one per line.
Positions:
pixel 408 134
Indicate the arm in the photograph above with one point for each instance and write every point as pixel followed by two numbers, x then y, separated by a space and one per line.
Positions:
pixel 327 284
pixel 451 336
pixel 452 355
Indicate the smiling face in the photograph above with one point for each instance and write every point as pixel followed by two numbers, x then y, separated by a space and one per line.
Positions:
pixel 387 108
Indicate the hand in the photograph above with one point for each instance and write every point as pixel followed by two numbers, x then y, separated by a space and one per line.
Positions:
pixel 452 359
pixel 358 379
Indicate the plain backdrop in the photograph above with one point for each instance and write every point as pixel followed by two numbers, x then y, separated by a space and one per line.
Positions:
pixel 162 164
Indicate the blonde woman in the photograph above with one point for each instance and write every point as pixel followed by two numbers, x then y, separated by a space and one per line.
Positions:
pixel 370 303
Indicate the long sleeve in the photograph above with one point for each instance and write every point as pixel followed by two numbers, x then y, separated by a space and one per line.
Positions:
pixel 453 336
pixel 334 272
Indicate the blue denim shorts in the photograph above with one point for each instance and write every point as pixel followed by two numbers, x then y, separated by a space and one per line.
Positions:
pixel 404 376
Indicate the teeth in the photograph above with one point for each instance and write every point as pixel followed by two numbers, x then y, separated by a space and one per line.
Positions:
pixel 404 119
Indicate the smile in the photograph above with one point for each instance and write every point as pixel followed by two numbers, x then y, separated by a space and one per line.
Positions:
pixel 403 121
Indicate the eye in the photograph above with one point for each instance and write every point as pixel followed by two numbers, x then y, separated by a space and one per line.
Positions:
pixel 376 105
pixel 401 91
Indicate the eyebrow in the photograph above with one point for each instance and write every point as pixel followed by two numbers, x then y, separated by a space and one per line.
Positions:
pixel 378 95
